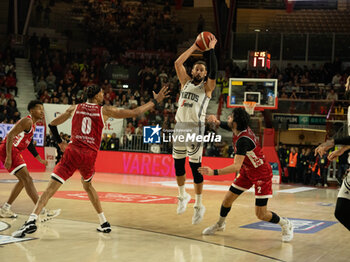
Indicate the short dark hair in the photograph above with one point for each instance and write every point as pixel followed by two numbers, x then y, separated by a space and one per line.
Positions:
pixel 241 117
pixel 92 91
pixel 200 62
pixel 33 104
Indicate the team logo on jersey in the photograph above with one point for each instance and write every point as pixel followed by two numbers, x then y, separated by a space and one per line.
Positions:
pixel 151 134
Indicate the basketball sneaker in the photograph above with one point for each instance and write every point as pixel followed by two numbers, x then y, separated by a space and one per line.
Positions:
pixel 182 203
pixel 198 214
pixel 287 231
pixel 104 228
pixel 7 213
pixel 48 214
pixel 28 228
pixel 213 229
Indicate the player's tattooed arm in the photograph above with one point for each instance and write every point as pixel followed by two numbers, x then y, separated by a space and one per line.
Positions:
pixel 234 168
pixel 63 117
pixel 111 111
pixel 179 65
pixel 22 125
pixel 332 156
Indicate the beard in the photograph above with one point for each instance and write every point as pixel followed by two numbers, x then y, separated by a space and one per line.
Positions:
pixel 197 79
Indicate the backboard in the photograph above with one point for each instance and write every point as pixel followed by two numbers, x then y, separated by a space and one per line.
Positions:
pixel 260 90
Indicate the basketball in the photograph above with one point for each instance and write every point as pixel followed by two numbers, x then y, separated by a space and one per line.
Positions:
pixel 202 40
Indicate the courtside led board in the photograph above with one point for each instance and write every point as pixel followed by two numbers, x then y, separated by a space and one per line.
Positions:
pixel 263 91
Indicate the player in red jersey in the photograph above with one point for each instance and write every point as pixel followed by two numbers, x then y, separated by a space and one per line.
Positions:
pixel 253 169
pixel 87 126
pixel 19 138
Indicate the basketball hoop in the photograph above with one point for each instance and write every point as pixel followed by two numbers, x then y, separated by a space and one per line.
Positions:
pixel 249 106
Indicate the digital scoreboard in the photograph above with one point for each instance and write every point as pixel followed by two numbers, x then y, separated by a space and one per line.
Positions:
pixel 259 60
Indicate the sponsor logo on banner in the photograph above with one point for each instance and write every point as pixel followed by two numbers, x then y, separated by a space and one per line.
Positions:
pixel 303 226
pixel 119 197
pixel 39 133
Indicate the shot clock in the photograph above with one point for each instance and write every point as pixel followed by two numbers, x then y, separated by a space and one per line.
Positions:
pixel 259 60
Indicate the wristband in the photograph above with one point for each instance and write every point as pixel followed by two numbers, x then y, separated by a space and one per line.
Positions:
pixel 55 134
pixel 216 172
pixel 154 102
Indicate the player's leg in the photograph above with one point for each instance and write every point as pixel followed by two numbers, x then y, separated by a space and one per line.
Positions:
pixel 343 203
pixel 199 209
pixel 263 191
pixel 105 227
pixel 27 181
pixel 5 210
pixel 29 226
pixel 226 205
pixel 179 156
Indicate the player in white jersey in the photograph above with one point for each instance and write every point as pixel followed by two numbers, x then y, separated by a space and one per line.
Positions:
pixel 343 201
pixel 195 94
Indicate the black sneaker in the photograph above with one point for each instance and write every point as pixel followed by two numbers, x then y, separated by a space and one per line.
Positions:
pixel 104 228
pixel 28 228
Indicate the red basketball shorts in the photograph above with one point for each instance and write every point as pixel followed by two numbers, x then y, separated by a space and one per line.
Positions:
pixel 17 159
pixel 260 177
pixel 75 158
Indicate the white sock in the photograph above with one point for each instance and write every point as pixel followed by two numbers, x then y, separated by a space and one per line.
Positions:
pixel 43 211
pixel 283 221
pixel 198 198
pixel 6 206
pixel 32 217
pixel 182 191
pixel 221 220
pixel 102 218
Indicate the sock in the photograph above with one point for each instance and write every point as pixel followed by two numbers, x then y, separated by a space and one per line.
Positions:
pixel 102 218
pixel 32 217
pixel 282 221
pixel 43 211
pixel 182 191
pixel 198 202
pixel 223 214
pixel 221 220
pixel 6 206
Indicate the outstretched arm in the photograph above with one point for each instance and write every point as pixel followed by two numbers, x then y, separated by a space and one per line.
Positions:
pixel 22 125
pixel 111 111
pixel 179 65
pixel 234 168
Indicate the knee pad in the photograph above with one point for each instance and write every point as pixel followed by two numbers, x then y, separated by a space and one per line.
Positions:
pixel 180 166
pixel 197 177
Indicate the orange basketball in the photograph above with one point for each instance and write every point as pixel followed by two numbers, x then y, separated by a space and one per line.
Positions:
pixel 202 40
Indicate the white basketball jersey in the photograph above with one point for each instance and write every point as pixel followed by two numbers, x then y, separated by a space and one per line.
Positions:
pixel 193 103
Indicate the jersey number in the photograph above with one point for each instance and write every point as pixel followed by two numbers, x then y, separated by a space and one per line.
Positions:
pixel 86 125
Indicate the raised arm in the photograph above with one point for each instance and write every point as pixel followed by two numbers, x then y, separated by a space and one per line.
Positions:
pixel 179 65
pixel 212 67
pixel 63 117
pixel 111 111
pixel 22 125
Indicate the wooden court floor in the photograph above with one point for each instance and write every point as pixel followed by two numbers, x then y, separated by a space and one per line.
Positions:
pixel 146 227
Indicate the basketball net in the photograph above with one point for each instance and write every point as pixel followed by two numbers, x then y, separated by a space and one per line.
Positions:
pixel 249 106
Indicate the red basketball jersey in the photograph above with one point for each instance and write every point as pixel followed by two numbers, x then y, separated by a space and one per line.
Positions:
pixel 87 126
pixel 22 140
pixel 255 157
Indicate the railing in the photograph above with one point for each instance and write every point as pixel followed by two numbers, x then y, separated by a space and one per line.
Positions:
pixel 134 143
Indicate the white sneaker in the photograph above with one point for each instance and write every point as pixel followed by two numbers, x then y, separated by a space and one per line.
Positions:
pixel 182 203
pixel 7 213
pixel 198 214
pixel 49 214
pixel 287 231
pixel 213 229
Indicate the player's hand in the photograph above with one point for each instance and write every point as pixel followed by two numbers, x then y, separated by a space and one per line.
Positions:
pixel 206 171
pixel 322 149
pixel 332 156
pixel 212 41
pixel 63 146
pixel 8 163
pixel 213 119
pixel 163 93
pixel 44 162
